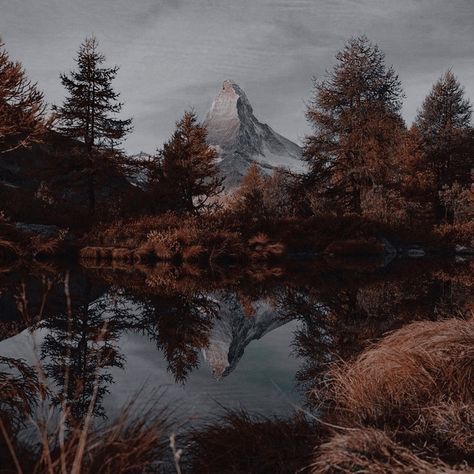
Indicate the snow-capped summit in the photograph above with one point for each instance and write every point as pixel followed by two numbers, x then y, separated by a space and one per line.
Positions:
pixel 241 139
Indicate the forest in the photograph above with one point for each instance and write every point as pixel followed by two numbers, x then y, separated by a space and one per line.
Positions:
pixel 351 282
pixel 373 185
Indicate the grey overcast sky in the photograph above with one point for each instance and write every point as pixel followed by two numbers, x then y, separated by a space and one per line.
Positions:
pixel 174 54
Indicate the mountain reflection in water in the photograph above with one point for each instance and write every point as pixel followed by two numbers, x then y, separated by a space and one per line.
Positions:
pixel 203 341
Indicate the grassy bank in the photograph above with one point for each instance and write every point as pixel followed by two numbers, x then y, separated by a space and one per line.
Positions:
pixel 224 237
pixel 405 404
pixel 228 237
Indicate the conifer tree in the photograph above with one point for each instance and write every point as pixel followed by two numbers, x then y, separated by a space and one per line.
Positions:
pixel 185 176
pixel 355 115
pixel 444 122
pixel 248 199
pixel 78 351
pixel 89 113
pixel 22 108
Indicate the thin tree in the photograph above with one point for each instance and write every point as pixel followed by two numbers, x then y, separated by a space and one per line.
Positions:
pixel 355 115
pixel 89 112
pixel 444 122
pixel 185 175
pixel 22 107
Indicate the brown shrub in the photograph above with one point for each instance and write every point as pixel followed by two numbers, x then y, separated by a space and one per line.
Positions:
pixel 241 443
pixel 261 247
pixel 126 445
pixel 371 450
pixel 422 364
pixel 460 233
pixel 447 429
pixel 8 250
pixel 225 245
pixel 123 255
pixel 96 253
pixel 193 253
pixel 163 245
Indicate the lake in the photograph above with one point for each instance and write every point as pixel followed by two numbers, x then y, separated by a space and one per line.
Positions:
pixel 198 342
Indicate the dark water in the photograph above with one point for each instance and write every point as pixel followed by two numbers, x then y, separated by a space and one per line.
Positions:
pixel 204 340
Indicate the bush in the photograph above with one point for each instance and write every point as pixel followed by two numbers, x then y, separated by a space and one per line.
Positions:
pixel 456 234
pixel 239 442
pixel 422 364
pixel 371 450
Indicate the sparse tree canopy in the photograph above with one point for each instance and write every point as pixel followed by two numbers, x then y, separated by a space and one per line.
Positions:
pixel 22 108
pixel 90 109
pixel 355 114
pixel 444 122
pixel 186 175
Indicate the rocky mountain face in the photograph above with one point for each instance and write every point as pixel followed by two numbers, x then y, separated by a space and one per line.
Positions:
pixel 235 329
pixel 241 139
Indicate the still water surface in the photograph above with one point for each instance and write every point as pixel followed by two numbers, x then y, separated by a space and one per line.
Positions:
pixel 201 342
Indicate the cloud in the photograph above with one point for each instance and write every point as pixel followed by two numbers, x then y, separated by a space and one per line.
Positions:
pixel 175 53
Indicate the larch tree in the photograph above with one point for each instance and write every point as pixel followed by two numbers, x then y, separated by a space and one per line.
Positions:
pixel 416 179
pixel 248 199
pixel 185 176
pixel 90 111
pixel 444 122
pixel 355 116
pixel 22 107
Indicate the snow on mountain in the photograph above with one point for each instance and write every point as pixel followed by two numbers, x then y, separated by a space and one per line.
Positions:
pixel 136 169
pixel 234 330
pixel 241 139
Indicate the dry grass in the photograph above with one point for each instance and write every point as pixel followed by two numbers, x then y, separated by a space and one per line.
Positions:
pixel 8 250
pixel 108 254
pixel 406 404
pixel 128 444
pixel 262 248
pixel 239 443
pixel 176 238
pixel 446 429
pixel 371 451
pixel 422 364
pixel 19 391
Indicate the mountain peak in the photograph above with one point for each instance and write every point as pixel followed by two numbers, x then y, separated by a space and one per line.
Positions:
pixel 241 139
pixel 231 87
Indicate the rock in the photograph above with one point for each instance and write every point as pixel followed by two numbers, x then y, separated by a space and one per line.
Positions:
pixel 48 231
pixel 241 139
pixel 415 252
pixel 464 250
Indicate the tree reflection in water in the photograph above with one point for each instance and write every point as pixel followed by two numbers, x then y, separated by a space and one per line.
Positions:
pixel 84 313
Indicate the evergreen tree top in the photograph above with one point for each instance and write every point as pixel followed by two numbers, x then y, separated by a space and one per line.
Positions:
pixel 89 111
pixel 359 76
pixel 445 107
